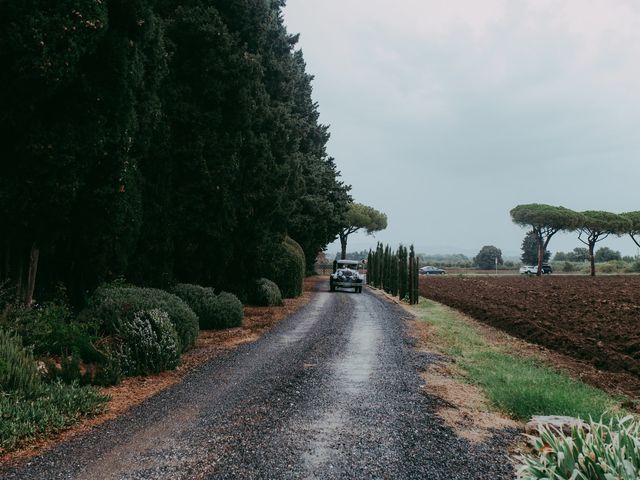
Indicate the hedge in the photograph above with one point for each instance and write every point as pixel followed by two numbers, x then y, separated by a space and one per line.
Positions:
pixel 285 265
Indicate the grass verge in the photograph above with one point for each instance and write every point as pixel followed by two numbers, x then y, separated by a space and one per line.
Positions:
pixel 520 386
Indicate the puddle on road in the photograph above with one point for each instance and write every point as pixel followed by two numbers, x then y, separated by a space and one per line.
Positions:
pixel 352 371
pixel 315 311
pixel 350 376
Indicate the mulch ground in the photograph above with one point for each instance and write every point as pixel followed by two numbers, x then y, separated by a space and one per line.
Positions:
pixel 135 390
pixel 595 320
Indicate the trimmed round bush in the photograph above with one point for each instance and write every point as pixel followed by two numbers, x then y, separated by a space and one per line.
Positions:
pixel 110 306
pixel 18 371
pixel 201 300
pixel 285 265
pixel 148 343
pixel 265 293
pixel 214 311
pixel 228 311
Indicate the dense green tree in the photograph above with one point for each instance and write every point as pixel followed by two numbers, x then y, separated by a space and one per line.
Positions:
pixel 598 225
pixel 605 254
pixel 168 142
pixel 403 272
pixel 530 250
pixel 360 217
pixel 75 98
pixel 487 256
pixel 558 256
pixel 413 278
pixel 544 221
pixel 578 254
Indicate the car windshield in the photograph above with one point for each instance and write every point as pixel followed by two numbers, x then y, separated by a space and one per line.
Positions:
pixel 350 266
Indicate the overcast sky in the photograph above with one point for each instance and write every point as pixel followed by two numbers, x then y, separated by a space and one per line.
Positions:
pixel 447 114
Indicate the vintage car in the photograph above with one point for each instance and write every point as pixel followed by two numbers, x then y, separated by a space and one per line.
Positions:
pixel 347 276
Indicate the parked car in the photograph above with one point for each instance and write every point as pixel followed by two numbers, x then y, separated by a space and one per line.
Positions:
pixel 347 276
pixel 533 269
pixel 529 269
pixel 429 270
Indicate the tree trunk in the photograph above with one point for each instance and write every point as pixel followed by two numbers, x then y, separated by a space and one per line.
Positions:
pixel 33 270
pixel 343 246
pixel 19 283
pixel 540 256
pixel 6 262
pixel 592 259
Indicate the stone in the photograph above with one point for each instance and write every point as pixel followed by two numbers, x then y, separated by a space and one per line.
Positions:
pixel 557 423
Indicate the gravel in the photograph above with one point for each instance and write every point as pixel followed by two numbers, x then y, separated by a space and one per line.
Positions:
pixel 332 392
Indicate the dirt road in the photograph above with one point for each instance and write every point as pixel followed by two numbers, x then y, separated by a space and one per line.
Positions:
pixel 332 392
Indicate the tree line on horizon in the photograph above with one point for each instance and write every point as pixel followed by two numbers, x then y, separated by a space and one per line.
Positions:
pixel 158 141
pixel 593 226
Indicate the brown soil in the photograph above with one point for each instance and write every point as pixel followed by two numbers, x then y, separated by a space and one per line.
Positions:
pixel 593 322
pixel 210 344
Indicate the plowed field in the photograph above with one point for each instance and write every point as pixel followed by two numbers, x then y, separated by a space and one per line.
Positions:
pixel 593 319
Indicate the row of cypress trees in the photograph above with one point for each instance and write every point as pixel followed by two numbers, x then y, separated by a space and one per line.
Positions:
pixel 158 140
pixel 396 272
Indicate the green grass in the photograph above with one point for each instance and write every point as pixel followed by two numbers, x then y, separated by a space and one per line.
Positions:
pixel 519 386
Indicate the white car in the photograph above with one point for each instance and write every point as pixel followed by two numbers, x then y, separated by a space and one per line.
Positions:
pixel 533 269
pixel 529 269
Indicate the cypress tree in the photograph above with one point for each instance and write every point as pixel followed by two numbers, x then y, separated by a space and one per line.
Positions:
pixel 402 272
pixel 412 266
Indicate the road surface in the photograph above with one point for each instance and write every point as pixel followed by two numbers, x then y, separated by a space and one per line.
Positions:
pixel 331 392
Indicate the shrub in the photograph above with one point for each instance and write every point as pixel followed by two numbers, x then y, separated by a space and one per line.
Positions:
pixel 612 266
pixel 603 451
pixel 568 267
pixel 201 300
pixel 51 330
pixel 18 371
pixel 148 343
pixel 228 311
pixel 286 267
pixel 266 293
pixel 108 306
pixel 634 267
pixel 214 311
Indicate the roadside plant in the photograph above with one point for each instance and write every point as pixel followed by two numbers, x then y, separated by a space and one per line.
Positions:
pixel 598 451
pixel 149 343
pixel 214 311
pixel 228 311
pixel 50 329
pixel 18 371
pixel 201 300
pixel 109 306
pixel 55 408
pixel 264 292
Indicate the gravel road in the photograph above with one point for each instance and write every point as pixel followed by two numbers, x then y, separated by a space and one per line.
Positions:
pixel 332 392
